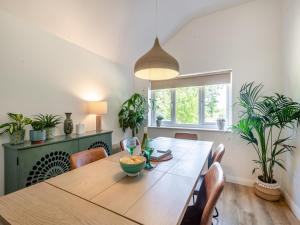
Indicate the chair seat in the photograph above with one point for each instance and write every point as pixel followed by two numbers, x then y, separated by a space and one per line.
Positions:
pixel 191 216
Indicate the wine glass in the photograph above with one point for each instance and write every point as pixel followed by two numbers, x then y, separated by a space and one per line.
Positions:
pixel 148 152
pixel 131 145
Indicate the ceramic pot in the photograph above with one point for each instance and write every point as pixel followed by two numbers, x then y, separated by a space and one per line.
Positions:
pixel 68 124
pixel 37 136
pixel 17 137
pixel 269 192
pixel 158 123
pixel 50 133
pixel 221 124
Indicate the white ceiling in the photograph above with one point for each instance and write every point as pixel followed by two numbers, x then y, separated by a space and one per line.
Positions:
pixel 120 30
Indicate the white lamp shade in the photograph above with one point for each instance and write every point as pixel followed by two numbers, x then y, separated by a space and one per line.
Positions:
pixel 97 107
pixel 156 64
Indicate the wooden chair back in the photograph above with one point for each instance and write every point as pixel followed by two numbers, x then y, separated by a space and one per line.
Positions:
pixel 188 136
pixel 82 158
pixel 210 191
pixel 123 143
pixel 218 154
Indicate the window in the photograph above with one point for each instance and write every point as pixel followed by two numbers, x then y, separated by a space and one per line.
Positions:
pixel 183 105
pixel 187 105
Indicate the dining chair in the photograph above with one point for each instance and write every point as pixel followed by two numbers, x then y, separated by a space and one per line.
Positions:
pixel 201 213
pixel 123 143
pixel 218 153
pixel 82 158
pixel 217 157
pixel 188 136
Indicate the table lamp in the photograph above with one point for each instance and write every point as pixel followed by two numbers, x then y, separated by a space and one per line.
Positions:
pixel 98 108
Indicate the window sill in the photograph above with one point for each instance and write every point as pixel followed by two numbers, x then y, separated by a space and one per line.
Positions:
pixel 192 128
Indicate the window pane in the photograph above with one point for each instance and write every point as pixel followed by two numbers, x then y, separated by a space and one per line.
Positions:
pixel 187 105
pixel 163 103
pixel 215 102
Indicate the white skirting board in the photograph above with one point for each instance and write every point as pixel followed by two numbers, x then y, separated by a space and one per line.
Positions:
pixel 293 206
pixel 239 180
pixel 248 182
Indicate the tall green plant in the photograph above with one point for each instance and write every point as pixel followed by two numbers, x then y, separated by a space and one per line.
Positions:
pixel 49 120
pixel 133 113
pixel 17 123
pixel 261 124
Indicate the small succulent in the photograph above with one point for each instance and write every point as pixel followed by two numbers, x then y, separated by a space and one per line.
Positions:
pixel 159 117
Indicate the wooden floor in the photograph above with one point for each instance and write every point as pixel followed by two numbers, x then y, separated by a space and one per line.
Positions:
pixel 240 206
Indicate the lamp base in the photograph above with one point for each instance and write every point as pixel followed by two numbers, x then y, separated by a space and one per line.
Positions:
pixel 98 123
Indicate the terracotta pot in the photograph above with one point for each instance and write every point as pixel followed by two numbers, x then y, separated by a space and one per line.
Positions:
pixel 267 191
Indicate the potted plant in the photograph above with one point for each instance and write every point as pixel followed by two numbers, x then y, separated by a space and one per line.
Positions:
pixel 132 113
pixel 261 124
pixel 159 119
pixel 15 128
pixel 50 122
pixel 221 123
pixel 38 133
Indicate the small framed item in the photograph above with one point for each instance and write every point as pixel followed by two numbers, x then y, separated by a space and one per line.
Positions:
pixel 80 128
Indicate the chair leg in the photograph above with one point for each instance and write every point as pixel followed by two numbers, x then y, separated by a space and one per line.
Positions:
pixel 217 213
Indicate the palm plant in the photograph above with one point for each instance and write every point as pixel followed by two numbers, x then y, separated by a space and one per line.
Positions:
pixel 261 124
pixel 133 113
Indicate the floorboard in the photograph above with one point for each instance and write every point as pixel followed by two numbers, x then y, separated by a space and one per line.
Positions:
pixel 239 205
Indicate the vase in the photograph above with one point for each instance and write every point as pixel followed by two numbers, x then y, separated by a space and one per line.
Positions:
pixel 267 191
pixel 221 124
pixel 50 133
pixel 17 137
pixel 68 124
pixel 158 123
pixel 37 136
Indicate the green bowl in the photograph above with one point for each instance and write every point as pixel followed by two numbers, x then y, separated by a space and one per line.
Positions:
pixel 132 165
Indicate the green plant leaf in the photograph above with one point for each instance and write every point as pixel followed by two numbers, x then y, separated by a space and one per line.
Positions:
pixel 260 115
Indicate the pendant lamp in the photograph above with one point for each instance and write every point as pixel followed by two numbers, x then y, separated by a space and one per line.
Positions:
pixel 156 64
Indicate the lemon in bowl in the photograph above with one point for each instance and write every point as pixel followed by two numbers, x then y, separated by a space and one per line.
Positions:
pixel 132 165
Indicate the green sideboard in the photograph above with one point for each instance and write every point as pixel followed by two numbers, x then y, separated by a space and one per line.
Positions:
pixel 27 164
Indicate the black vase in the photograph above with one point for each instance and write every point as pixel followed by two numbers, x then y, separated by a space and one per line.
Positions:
pixel 68 124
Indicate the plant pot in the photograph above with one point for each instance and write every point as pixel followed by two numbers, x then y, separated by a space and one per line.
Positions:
pixel 158 123
pixel 50 133
pixel 267 191
pixel 37 136
pixel 17 137
pixel 221 124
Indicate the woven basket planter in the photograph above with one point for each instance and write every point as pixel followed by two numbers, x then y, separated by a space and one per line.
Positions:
pixel 269 192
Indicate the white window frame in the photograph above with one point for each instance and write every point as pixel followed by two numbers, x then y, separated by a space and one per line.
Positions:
pixel 201 111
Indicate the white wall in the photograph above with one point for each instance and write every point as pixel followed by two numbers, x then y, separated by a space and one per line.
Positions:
pixel 291 73
pixel 41 73
pixel 245 39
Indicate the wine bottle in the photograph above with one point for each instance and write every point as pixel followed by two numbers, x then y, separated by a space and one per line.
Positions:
pixel 145 139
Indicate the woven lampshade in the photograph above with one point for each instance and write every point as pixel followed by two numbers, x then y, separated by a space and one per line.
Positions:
pixel 156 64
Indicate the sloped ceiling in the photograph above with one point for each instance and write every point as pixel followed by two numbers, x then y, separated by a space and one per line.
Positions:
pixel 120 30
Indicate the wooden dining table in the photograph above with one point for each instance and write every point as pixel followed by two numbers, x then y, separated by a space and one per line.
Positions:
pixel 101 193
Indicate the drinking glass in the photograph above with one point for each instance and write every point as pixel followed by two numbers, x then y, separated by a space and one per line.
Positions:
pixel 148 152
pixel 131 145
